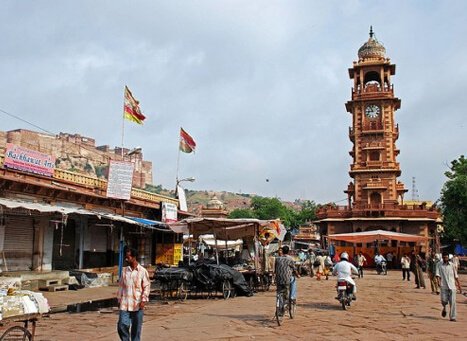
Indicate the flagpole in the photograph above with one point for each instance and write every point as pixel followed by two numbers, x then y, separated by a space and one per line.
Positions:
pixel 123 124
pixel 178 167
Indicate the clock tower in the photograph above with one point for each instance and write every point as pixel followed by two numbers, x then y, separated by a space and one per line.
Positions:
pixel 374 131
pixel 375 195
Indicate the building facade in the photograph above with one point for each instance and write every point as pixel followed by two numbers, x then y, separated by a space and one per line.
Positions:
pixel 65 220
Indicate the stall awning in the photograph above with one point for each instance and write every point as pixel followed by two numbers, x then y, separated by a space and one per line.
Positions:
pixel 370 236
pixel 65 210
pixel 222 228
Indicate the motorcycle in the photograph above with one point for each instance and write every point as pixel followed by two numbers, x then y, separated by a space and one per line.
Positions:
pixel 381 268
pixel 344 293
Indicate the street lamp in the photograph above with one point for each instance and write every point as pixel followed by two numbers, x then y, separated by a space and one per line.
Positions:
pixel 190 179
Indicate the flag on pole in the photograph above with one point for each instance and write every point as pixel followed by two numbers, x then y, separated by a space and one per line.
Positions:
pixel 131 110
pixel 187 144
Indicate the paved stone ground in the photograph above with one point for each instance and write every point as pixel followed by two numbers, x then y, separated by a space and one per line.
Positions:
pixel 387 309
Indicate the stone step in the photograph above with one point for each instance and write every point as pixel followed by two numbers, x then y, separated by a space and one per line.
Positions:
pixel 48 282
pixel 55 287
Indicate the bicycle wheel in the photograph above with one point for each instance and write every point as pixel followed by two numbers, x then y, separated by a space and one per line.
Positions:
pixel 182 292
pixel 226 289
pixel 279 309
pixel 292 308
pixel 251 283
pixel 164 290
pixel 16 333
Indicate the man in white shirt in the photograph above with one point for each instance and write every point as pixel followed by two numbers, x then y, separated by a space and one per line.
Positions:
pixel 379 258
pixel 343 270
pixel 447 277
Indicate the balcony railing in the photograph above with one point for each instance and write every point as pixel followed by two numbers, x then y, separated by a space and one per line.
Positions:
pixel 375 165
pixel 373 91
pixel 388 210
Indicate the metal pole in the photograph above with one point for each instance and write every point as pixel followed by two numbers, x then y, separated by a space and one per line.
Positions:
pixel 189 244
pixel 83 222
pixel 217 251
pixel 121 244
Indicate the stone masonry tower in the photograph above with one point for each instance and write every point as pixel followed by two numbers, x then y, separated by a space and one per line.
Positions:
pixel 375 196
pixel 374 131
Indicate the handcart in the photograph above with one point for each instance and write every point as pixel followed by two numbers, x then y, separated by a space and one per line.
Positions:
pixel 174 282
pixel 18 328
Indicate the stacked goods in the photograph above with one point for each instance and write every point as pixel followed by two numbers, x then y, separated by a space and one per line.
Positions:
pixel 21 302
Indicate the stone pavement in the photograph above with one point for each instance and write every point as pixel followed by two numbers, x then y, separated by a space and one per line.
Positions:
pixel 59 300
pixel 387 309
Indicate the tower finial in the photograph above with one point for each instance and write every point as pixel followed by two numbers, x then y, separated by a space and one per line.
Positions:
pixel 371 32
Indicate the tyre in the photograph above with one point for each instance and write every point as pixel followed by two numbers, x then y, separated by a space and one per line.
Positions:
pixel 344 300
pixel 251 283
pixel 292 309
pixel 182 292
pixel 279 309
pixel 164 290
pixel 226 289
pixel 16 333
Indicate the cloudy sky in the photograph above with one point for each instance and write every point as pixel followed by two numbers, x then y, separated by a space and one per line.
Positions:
pixel 260 85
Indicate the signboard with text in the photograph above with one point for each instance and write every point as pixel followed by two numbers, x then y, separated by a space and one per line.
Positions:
pixel 120 179
pixel 27 160
pixel 169 212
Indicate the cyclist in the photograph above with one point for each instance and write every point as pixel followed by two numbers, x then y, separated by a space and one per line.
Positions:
pixel 286 274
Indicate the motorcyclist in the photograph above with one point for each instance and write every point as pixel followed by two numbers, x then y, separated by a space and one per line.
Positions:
pixel 379 260
pixel 343 270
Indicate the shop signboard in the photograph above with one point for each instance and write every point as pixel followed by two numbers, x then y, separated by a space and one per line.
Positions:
pixel 120 179
pixel 169 212
pixel 28 160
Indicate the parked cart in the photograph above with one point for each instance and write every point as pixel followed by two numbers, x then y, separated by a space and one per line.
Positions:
pixel 21 327
pixel 19 312
pixel 174 282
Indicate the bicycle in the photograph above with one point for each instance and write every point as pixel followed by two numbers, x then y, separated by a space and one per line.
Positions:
pixel 283 303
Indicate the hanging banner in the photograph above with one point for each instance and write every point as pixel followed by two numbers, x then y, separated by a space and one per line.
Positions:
pixel 182 199
pixel 27 160
pixel 120 179
pixel 169 213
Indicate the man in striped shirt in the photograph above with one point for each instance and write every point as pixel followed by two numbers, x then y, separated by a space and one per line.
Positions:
pixel 133 293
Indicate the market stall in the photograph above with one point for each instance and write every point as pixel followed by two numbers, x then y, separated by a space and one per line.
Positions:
pixel 255 236
pixel 376 238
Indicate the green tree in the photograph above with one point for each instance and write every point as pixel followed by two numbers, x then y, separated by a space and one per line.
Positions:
pixel 272 208
pixel 454 201
pixel 307 212
pixel 242 213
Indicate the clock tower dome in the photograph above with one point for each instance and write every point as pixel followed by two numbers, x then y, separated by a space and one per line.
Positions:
pixel 374 131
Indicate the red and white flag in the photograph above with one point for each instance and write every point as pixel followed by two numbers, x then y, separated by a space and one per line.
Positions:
pixel 187 144
pixel 131 110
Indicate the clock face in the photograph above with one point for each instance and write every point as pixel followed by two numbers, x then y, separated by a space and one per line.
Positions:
pixel 372 111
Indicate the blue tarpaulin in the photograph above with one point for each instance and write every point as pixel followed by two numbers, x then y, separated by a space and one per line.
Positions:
pixel 148 222
pixel 459 250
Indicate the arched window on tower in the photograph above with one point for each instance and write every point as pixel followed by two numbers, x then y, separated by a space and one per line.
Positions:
pixel 372 81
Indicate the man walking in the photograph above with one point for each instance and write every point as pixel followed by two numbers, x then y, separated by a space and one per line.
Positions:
pixel 360 261
pixel 132 295
pixel 447 277
pixel 405 264
pixel 431 264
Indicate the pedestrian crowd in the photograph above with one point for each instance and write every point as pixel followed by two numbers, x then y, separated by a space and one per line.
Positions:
pixel 441 270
